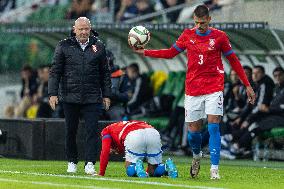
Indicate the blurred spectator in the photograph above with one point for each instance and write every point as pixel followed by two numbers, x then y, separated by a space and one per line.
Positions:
pixel 212 4
pixel 9 111
pixel 235 99
pixel 29 88
pixel 6 5
pixel 172 16
pixel 44 110
pixel 268 117
pixel 174 129
pixel 120 90
pixel 104 6
pixel 264 86
pixel 231 86
pixel 144 7
pixel 140 88
pixel 127 10
pixel 79 8
pixel 240 93
pixel 187 12
pixel 100 6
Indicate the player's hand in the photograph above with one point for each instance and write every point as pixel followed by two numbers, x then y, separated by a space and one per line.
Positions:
pixel 53 100
pixel 138 51
pixel 251 95
pixel 106 102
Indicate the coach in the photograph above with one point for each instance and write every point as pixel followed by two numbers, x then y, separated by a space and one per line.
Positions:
pixel 80 79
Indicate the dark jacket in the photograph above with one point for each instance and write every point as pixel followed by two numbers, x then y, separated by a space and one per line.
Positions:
pixel 32 85
pixel 277 103
pixel 120 88
pixel 84 76
pixel 141 92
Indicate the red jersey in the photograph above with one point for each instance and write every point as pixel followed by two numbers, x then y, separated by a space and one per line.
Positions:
pixel 113 136
pixel 205 71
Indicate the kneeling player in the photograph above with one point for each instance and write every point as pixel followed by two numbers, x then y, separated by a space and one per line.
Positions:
pixel 139 140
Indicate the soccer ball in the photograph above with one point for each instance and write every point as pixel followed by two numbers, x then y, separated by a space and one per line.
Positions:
pixel 138 37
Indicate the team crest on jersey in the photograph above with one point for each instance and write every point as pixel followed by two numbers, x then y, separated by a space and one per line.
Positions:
pixel 94 48
pixel 211 44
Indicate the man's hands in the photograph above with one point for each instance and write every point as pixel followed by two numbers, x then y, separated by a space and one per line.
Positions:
pixel 106 102
pixel 53 100
pixel 251 94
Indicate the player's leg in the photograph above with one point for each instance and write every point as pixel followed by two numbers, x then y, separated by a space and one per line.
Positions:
pixel 194 112
pixel 214 110
pixel 134 154
pixel 154 156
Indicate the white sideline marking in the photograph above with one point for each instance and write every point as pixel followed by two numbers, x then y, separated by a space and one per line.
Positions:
pixel 51 184
pixel 108 179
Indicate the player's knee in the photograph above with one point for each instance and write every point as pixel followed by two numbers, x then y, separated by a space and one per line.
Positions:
pixel 213 128
pixel 160 170
pixel 130 170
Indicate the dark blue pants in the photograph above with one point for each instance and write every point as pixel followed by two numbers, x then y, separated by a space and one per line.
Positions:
pixel 90 113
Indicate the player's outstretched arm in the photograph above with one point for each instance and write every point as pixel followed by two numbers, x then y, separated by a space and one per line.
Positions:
pixel 161 53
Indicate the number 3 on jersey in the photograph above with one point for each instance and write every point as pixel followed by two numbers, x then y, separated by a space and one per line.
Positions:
pixel 200 59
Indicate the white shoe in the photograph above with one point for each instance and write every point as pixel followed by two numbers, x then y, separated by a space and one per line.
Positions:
pixel 72 167
pixel 214 174
pixel 90 169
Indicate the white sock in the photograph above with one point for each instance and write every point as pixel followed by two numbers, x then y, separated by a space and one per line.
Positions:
pixel 214 166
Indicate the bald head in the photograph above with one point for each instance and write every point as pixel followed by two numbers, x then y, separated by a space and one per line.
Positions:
pixel 82 29
pixel 82 20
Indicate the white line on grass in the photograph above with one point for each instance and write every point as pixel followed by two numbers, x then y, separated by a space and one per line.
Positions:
pixel 108 179
pixel 51 184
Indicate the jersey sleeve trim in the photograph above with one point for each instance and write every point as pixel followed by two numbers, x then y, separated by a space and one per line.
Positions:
pixel 228 53
pixel 106 136
pixel 177 48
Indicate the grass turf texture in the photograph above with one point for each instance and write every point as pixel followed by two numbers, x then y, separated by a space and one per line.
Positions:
pixel 26 174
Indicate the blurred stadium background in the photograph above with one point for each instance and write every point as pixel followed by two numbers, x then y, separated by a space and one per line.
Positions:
pixel 30 30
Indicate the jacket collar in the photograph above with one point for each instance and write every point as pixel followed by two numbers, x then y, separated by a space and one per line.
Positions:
pixel 92 40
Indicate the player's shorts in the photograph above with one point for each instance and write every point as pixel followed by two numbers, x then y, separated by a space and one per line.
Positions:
pixel 198 107
pixel 143 143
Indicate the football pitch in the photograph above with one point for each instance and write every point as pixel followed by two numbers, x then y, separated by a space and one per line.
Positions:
pixel 243 174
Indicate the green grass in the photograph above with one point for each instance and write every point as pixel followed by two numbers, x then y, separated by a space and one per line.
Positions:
pixel 27 174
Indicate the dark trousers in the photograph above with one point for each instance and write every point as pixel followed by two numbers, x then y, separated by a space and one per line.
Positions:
pixel 90 113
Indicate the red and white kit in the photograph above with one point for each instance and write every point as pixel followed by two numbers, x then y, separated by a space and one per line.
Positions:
pixel 136 138
pixel 205 71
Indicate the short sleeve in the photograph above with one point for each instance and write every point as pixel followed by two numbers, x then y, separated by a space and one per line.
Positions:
pixel 180 44
pixel 226 46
